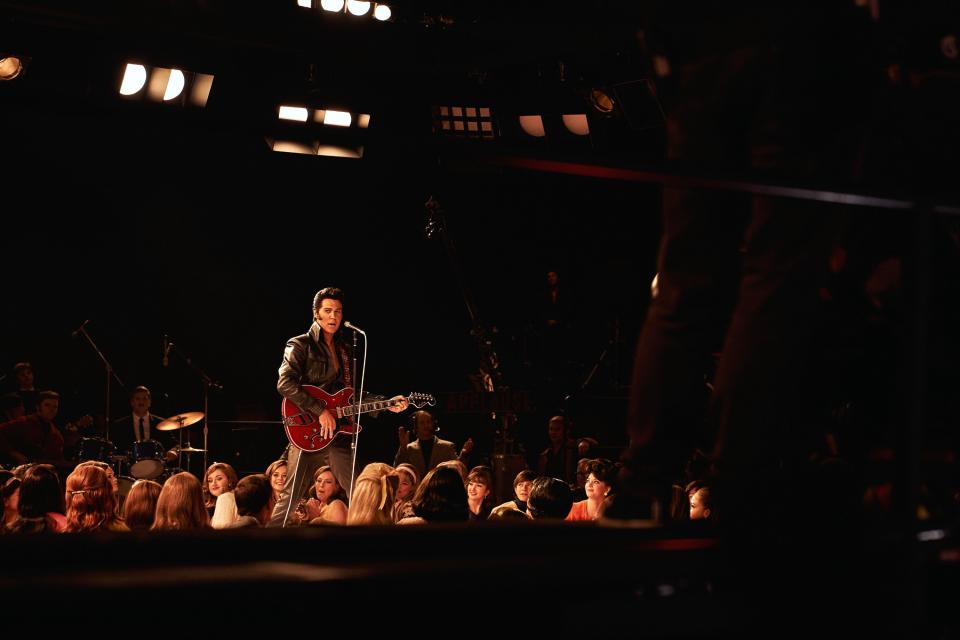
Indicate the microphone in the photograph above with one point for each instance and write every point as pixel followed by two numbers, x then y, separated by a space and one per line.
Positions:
pixel 354 327
pixel 166 351
pixel 79 329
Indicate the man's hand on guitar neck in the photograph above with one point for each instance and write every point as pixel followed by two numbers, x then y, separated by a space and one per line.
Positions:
pixel 401 404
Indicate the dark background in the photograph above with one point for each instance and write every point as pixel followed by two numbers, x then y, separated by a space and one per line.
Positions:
pixel 148 221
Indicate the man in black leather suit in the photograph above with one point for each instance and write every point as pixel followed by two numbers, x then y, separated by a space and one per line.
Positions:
pixel 319 357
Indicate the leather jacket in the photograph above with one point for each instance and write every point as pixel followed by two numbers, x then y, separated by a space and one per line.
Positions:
pixel 307 360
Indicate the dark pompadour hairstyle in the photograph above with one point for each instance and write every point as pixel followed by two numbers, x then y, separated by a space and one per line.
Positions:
pixel 333 293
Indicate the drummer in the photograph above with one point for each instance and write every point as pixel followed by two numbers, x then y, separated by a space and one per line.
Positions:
pixel 141 425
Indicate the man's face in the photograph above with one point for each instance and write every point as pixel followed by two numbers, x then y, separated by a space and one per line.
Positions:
pixel 329 315
pixel 582 472
pixel 25 378
pixel 552 278
pixel 523 490
pixel 140 402
pixel 47 409
pixel 424 426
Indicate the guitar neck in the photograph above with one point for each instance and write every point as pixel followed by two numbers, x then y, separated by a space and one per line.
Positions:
pixel 365 407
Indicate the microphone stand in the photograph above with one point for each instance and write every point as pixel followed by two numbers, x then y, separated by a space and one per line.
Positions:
pixel 359 400
pixel 208 384
pixel 111 374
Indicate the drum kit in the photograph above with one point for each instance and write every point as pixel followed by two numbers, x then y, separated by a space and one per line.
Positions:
pixel 146 459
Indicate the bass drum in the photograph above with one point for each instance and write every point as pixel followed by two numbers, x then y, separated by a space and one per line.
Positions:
pixel 146 459
pixel 95 449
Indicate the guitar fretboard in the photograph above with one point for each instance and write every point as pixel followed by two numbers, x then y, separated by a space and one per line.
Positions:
pixel 364 407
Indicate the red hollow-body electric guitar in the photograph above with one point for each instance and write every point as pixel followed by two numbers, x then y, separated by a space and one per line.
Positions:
pixel 303 428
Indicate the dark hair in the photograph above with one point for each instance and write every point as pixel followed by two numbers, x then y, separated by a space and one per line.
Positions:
pixel 603 470
pixel 47 395
pixel 252 494
pixel 8 483
pixel 40 492
pixel 139 389
pixel 524 476
pixel 423 412
pixel 509 514
pixel 703 487
pixel 549 498
pixel 441 497
pixel 331 293
pixel 483 475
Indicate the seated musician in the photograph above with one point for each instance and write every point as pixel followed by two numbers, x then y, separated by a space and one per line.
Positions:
pixel 35 437
pixel 141 425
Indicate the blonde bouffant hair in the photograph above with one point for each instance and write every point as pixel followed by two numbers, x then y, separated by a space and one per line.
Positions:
pixel 374 493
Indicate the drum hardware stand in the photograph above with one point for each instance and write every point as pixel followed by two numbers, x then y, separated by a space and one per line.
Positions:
pixel 111 375
pixel 208 384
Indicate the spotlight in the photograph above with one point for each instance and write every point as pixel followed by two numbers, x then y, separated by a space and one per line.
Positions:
pixel 382 12
pixel 333 118
pixel 174 85
pixel 533 126
pixel 576 123
pixel 332 5
pixel 10 67
pixel 317 131
pixel 134 78
pixel 358 7
pixel 166 85
pixel 298 114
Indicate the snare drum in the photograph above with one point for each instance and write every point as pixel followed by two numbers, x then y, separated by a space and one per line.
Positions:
pixel 94 449
pixel 146 459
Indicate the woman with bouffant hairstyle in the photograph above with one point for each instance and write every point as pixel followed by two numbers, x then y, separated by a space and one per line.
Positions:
pixel 219 478
pixel 180 505
pixel 91 501
pixel 140 507
pixel 374 493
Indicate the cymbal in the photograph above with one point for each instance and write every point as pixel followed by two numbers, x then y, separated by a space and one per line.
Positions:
pixel 180 421
pixel 190 450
